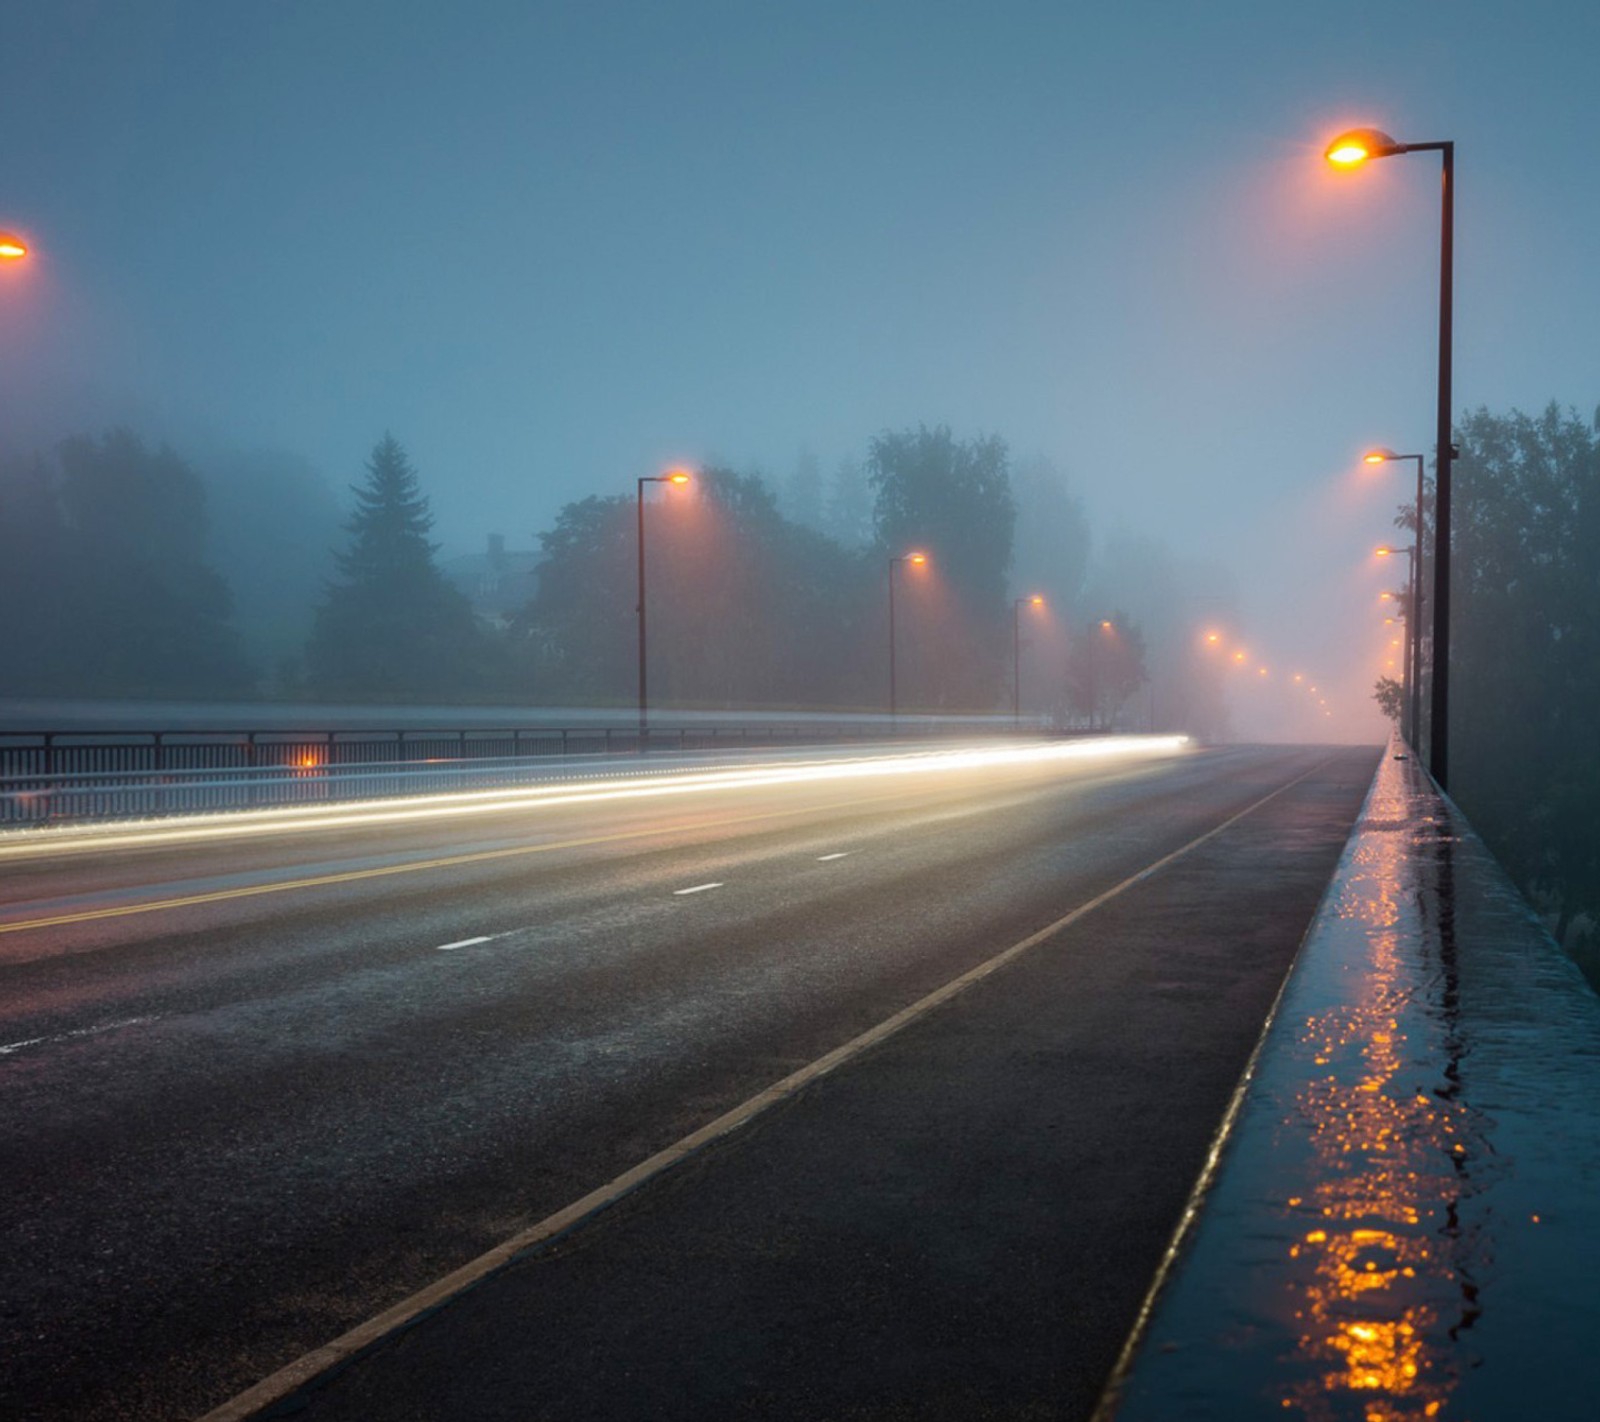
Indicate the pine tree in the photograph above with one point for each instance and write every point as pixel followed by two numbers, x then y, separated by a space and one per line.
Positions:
pixel 392 626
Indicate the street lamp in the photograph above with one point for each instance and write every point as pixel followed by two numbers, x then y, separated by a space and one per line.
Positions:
pixel 1413 619
pixel 917 560
pixel 1017 604
pixel 1384 455
pixel 676 478
pixel 12 247
pixel 1350 150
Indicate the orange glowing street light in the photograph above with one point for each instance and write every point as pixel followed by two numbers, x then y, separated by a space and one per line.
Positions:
pixel 1017 604
pixel 677 477
pixel 12 247
pixel 1350 150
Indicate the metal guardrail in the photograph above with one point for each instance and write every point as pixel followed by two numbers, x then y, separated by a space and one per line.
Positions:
pixel 54 776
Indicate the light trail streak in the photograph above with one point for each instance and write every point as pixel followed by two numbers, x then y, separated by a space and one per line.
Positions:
pixel 36 843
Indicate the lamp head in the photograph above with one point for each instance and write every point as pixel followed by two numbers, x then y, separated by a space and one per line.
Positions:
pixel 680 477
pixel 1380 455
pixel 1352 149
pixel 12 247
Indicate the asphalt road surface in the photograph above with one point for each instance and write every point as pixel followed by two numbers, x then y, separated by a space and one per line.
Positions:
pixel 260 1079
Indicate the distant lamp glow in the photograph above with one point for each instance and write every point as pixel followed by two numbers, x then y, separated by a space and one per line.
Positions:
pixel 1105 626
pixel 1213 639
pixel 1381 455
pixel 1350 150
pixel 679 477
pixel 1382 551
pixel 917 558
pixel 1017 604
pixel 1238 656
pixel 12 247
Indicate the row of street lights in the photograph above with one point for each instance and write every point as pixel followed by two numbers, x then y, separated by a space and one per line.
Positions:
pixel 678 478
pixel 1350 150
pixel 1412 719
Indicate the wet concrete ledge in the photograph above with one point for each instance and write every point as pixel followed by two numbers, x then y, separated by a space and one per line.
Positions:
pixel 1404 1222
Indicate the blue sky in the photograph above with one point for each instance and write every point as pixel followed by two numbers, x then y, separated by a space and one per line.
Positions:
pixel 554 246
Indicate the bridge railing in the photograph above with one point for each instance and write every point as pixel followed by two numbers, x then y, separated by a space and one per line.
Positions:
pixel 51 776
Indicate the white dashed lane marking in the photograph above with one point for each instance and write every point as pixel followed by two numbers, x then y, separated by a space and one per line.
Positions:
pixel 9 1048
pixel 697 889
pixel 468 942
pixel 824 858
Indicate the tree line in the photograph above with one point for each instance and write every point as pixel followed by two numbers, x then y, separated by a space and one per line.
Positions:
pixel 130 574
pixel 1525 655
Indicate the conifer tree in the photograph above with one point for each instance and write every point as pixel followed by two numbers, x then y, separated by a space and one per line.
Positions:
pixel 392 626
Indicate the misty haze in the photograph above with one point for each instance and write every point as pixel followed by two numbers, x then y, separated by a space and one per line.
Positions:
pixel 576 577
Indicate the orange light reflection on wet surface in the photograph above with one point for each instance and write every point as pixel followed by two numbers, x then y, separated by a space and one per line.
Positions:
pixel 1381 1285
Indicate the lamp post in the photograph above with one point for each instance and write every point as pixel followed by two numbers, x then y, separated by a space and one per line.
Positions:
pixel 1017 604
pixel 1413 636
pixel 916 560
pixel 1109 628
pixel 1382 455
pixel 1350 150
pixel 678 478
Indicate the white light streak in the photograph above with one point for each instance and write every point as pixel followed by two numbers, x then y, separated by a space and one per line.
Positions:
pixel 698 888
pixel 33 843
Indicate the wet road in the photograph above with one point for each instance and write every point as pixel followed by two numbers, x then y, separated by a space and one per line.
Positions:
pixel 255 1088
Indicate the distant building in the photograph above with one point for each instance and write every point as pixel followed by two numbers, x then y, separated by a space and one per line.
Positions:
pixel 499 582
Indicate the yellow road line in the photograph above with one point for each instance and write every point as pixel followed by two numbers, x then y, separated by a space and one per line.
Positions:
pixel 418 866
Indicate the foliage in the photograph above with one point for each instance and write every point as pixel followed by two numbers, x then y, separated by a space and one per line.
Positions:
pixel 106 547
pixel 1104 669
pixel 393 626
pixel 274 523
pixel 1172 600
pixel 1390 696
pixel 745 607
pixel 1525 664
pixel 953 499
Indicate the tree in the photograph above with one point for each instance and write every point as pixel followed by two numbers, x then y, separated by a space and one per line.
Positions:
pixel 746 607
pixel 802 492
pixel 1104 669
pixel 1525 665
pixel 1390 696
pixel 108 545
pixel 274 521
pixel 954 499
pixel 847 517
pixel 393 626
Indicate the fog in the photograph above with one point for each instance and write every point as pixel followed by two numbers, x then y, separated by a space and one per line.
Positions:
pixel 554 249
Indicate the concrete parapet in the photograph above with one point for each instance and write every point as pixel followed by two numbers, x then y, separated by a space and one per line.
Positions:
pixel 1404 1217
